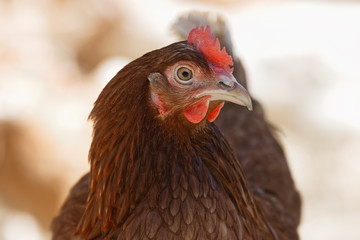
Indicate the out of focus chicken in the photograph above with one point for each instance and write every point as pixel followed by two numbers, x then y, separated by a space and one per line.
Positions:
pixel 20 186
pixel 253 141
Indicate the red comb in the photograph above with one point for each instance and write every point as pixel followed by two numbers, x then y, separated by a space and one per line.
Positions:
pixel 209 46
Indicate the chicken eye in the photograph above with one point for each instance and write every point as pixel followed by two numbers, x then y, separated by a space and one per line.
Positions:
pixel 184 74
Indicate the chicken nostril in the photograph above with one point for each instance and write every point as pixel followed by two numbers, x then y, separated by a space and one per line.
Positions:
pixel 223 85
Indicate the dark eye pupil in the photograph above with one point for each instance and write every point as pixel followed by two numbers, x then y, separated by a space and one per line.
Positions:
pixel 184 74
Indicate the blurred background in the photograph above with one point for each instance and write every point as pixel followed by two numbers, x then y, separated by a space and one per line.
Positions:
pixel 303 63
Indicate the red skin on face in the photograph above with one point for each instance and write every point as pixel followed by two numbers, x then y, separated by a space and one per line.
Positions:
pixel 195 113
pixel 215 112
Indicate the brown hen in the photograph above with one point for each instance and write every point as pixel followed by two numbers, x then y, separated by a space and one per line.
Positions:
pixel 160 169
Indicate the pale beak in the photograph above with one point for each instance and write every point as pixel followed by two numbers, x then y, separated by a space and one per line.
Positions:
pixel 228 89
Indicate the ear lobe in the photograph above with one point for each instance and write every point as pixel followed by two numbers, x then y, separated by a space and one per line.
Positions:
pixel 157 85
pixel 155 77
pixel 158 82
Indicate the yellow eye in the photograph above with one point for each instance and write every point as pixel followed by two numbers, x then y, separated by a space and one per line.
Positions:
pixel 184 74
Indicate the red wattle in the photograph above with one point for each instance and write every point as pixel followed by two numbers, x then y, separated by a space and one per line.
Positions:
pixel 196 112
pixel 215 112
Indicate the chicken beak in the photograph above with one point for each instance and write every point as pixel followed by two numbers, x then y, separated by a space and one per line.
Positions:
pixel 228 89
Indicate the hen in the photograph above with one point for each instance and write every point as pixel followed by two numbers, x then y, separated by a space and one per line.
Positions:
pixel 160 169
